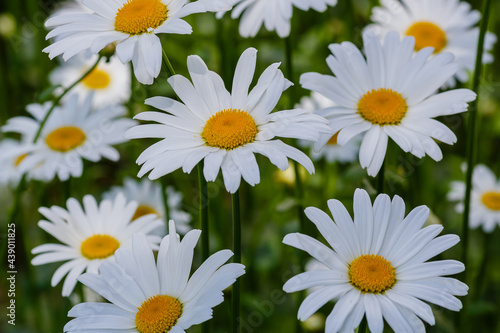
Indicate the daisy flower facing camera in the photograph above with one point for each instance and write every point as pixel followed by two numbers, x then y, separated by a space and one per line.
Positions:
pixel 132 25
pixel 73 131
pixel 149 297
pixel 445 25
pixel 90 235
pixel 485 198
pixel 275 15
pixel 391 93
pixel 224 129
pixel 377 266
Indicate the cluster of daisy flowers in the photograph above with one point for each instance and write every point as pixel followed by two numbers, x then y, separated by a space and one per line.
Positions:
pixel 126 247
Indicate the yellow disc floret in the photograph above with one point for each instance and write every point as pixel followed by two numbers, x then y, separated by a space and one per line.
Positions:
pixel 428 34
pixel 229 129
pixel 158 314
pixel 491 200
pixel 143 210
pixel 140 16
pixel 65 138
pixel 97 79
pixel 382 107
pixel 372 274
pixel 99 247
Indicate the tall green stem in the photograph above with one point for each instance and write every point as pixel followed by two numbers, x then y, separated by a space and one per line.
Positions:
pixel 380 178
pixel 167 65
pixel 164 198
pixel 205 245
pixel 472 145
pixel 237 258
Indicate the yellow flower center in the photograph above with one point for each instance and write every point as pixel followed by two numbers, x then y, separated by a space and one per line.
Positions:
pixel 372 274
pixel 19 159
pixel 427 34
pixel 99 247
pixel 229 129
pixel 333 139
pixel 143 210
pixel 97 79
pixel 158 314
pixel 140 16
pixel 491 200
pixel 382 107
pixel 65 138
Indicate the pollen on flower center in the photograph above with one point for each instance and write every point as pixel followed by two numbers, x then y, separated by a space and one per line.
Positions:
pixel 99 247
pixel 428 34
pixel 143 210
pixel 333 139
pixel 158 314
pixel 97 79
pixel 382 107
pixel 491 200
pixel 229 129
pixel 372 274
pixel 65 138
pixel 140 16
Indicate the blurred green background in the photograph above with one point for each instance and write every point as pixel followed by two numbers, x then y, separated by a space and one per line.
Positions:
pixel 269 209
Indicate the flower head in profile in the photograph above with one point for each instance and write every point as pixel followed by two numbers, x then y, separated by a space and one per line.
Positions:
pixel 90 235
pixel 133 25
pixel 110 80
pixel 150 199
pixel 377 266
pixel 444 25
pixel 13 154
pixel 327 146
pixel 73 131
pixel 485 198
pixel 390 93
pixel 275 15
pixel 147 296
pixel 224 129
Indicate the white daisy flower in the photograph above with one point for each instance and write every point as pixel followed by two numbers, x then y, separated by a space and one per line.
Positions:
pixel 391 93
pixel 12 154
pixel 445 25
pixel 485 198
pixel 110 81
pixel 377 266
pixel 90 235
pixel 331 150
pixel 224 129
pixel 73 131
pixel 152 297
pixel 132 25
pixel 150 199
pixel 275 15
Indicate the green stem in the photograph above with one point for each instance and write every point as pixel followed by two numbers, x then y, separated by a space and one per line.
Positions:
pixel 237 258
pixel 380 178
pixel 167 65
pixel 205 234
pixel 363 327
pixel 164 198
pixel 471 146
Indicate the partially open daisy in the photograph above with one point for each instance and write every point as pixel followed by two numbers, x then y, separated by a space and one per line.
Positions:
pixel 377 266
pixel 150 199
pixel 224 129
pixel 131 24
pixel 445 25
pixel 327 146
pixel 73 131
pixel 485 198
pixel 275 15
pixel 391 93
pixel 90 235
pixel 151 297
pixel 110 80
pixel 13 153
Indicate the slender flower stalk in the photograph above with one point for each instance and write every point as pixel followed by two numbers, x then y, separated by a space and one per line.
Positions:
pixel 164 197
pixel 472 140
pixel 237 258
pixel 167 65
pixel 380 179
